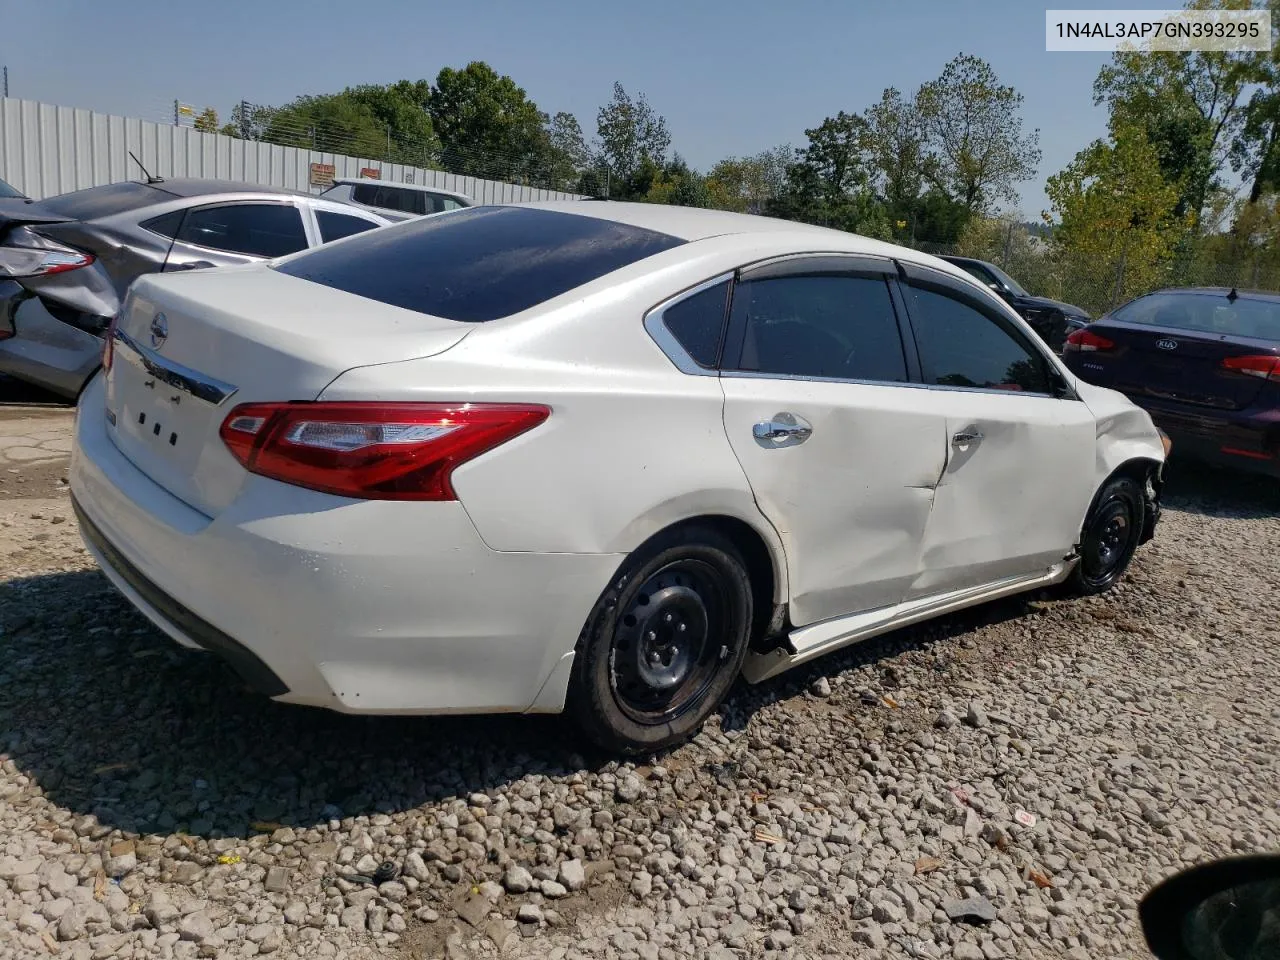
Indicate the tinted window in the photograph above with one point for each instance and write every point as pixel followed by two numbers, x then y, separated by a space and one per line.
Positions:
pixel 167 225
pixel 820 326
pixel 448 203
pixel 1206 313
pixel 962 347
pixel 697 322
pixel 257 229
pixel 480 263
pixel 978 272
pixel 105 201
pixel 8 191
pixel 335 226
pixel 390 198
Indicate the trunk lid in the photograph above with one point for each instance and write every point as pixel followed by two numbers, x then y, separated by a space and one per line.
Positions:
pixel 190 347
pixel 1169 363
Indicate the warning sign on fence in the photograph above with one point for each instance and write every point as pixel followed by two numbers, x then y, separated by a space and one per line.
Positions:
pixel 322 174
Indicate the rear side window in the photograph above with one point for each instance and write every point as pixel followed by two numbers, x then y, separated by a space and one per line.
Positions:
pixel 480 263
pixel 697 323
pixel 105 201
pixel 449 203
pixel 391 198
pixel 962 347
pixel 840 327
pixel 167 225
pixel 256 229
pixel 335 226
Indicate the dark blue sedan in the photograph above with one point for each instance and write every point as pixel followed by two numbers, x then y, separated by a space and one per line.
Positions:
pixel 1204 362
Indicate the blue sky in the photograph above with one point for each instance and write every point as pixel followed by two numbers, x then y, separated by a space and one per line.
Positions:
pixel 731 78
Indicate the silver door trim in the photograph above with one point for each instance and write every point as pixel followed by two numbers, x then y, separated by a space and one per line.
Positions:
pixel 657 328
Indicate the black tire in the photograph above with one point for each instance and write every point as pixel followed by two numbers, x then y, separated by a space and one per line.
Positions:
pixel 1110 536
pixel 664 643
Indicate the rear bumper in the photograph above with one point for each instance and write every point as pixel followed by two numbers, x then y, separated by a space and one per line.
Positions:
pixel 1244 439
pixel 44 350
pixel 357 606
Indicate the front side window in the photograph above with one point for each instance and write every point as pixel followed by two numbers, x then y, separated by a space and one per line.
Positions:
pixel 830 326
pixel 960 346
pixel 255 229
pixel 335 226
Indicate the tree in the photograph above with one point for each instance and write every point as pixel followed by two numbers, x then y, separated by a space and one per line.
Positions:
pixel 828 182
pixel 488 126
pixel 630 132
pixel 569 154
pixel 978 152
pixel 207 121
pixel 747 184
pixel 401 108
pixel 1117 211
pixel 897 149
pixel 678 184
pixel 1188 104
pixel 1255 149
pixel 330 122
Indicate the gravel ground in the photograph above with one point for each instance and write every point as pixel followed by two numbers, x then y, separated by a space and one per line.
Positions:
pixel 1047 761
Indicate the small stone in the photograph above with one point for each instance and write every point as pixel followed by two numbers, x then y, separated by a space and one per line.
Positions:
pixel 416 867
pixel 187 872
pixel 967 951
pixel 977 716
pixel 517 879
pixel 353 918
pixel 196 927
pixel 277 880
pixel 473 908
pixel 946 720
pixel 295 912
pixel 970 910
pixel 71 925
pixel 642 885
pixel 572 875
pixel 821 687
pixel 553 890
pixel 529 913
pixel 869 935
pixel 367 865
pixel 629 789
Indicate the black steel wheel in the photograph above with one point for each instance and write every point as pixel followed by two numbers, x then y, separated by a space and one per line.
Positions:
pixel 664 642
pixel 1110 536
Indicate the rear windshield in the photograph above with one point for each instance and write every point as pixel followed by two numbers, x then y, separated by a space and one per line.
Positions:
pixel 104 201
pixel 1205 313
pixel 479 263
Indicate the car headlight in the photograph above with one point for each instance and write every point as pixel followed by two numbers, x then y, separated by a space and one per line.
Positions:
pixel 1165 441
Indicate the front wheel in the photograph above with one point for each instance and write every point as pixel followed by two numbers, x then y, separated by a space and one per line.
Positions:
pixel 1111 534
pixel 664 642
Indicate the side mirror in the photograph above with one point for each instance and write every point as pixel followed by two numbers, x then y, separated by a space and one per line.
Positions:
pixel 1224 910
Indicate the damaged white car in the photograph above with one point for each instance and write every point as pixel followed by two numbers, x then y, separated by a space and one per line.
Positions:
pixel 590 456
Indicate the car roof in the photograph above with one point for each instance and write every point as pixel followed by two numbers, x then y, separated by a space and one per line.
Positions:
pixel 696 223
pixel 198 187
pixel 421 187
pixel 1270 296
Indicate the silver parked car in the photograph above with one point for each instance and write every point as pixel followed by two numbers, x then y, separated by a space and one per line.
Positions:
pixel 66 262
pixel 396 201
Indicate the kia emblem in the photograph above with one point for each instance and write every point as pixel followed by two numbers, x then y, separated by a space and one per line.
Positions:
pixel 159 330
pixel 1167 344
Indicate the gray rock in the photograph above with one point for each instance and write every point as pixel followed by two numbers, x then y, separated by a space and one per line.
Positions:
pixel 196 927
pixel 553 890
pixel 277 880
pixel 977 716
pixel 629 789
pixel 820 687
pixel 642 885
pixel 970 910
pixel 416 867
pixel 946 720
pixel 71 925
pixel 517 879
pixel 572 875
pixel 967 951
pixel 529 913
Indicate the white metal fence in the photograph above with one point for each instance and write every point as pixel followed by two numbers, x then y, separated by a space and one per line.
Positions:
pixel 46 150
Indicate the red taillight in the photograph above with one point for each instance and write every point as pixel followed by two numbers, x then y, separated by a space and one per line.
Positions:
pixel 374 451
pixel 109 344
pixel 1263 366
pixel 1085 340
pixel 34 262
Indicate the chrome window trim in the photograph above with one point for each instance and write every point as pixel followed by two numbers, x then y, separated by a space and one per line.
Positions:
pixel 911 384
pixel 197 384
pixel 655 325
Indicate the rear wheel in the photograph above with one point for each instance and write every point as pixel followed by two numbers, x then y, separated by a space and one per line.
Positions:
pixel 664 642
pixel 1110 537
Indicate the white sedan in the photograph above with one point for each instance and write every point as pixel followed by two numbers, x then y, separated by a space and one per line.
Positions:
pixel 591 456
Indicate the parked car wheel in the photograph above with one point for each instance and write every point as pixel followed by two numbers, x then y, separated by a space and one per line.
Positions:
pixel 1111 534
pixel 664 642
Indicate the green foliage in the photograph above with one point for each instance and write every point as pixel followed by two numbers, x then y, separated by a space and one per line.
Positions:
pixel 747 184
pixel 207 121
pixel 631 132
pixel 488 126
pixel 978 152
